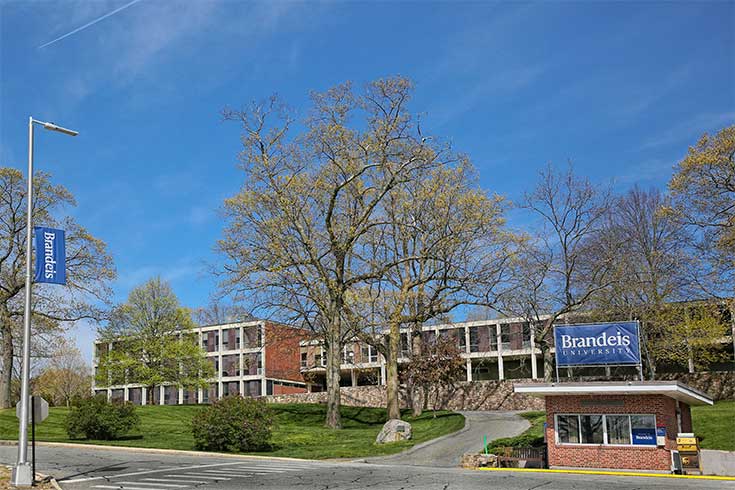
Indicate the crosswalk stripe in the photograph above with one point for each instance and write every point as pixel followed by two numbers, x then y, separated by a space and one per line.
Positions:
pixel 198 475
pixel 263 468
pixel 118 487
pixel 224 473
pixel 235 472
pixel 167 485
pixel 178 481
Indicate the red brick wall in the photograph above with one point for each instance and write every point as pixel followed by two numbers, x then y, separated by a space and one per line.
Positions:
pixel 287 390
pixel 686 417
pixel 282 351
pixel 628 457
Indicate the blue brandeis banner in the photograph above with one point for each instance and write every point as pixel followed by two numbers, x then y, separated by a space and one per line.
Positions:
pixel 50 255
pixel 597 344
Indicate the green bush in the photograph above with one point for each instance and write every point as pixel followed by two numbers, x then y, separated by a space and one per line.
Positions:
pixel 233 424
pixel 96 418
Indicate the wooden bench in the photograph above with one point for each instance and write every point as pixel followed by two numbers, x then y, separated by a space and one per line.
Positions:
pixel 511 456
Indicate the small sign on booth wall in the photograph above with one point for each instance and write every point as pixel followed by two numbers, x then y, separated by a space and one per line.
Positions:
pixel 645 437
pixel 661 435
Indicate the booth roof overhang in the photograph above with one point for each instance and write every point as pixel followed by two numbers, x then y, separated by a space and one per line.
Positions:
pixel 672 389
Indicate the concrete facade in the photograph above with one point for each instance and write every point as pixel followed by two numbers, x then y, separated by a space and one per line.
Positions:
pixel 255 358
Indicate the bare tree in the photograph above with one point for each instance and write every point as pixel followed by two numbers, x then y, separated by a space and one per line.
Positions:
pixel 562 267
pixel 66 376
pixel 296 231
pixel 218 312
pixel 439 367
pixel 89 268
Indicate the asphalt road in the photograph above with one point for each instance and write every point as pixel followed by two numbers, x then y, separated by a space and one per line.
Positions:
pixel 447 452
pixel 104 469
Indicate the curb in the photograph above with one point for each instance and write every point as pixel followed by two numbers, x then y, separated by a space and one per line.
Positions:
pixel 417 446
pixel 155 450
pixel 612 473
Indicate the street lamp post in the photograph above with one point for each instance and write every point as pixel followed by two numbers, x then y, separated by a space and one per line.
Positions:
pixel 22 475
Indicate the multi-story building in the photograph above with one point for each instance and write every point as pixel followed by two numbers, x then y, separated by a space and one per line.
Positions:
pixel 496 349
pixel 250 358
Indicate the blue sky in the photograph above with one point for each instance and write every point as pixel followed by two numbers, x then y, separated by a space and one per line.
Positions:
pixel 620 88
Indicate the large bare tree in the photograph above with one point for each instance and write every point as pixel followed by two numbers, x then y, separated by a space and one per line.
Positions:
pixel 296 234
pixel 567 261
pixel 89 268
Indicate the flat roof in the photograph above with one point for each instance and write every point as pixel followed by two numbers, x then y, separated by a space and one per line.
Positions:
pixel 672 389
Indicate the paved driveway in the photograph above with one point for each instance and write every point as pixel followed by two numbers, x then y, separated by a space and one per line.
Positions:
pixel 447 452
pixel 80 468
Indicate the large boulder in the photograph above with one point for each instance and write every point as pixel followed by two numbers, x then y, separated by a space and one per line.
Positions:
pixel 475 460
pixel 393 431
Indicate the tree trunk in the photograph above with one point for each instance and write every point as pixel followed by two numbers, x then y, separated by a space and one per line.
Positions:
pixel 334 418
pixel 391 372
pixel 548 362
pixel 6 377
pixel 417 403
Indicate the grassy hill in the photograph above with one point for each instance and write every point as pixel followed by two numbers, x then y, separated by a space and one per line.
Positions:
pixel 299 430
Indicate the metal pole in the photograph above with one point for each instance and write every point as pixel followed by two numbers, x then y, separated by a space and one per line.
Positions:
pixel 22 476
pixel 33 438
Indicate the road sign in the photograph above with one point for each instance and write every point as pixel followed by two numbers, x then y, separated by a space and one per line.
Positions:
pixel 40 409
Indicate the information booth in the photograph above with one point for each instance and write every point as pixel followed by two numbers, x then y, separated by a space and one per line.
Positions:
pixel 616 425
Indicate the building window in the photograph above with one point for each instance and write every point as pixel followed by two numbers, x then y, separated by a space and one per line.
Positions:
pixel 204 343
pixel 216 341
pixel 237 339
pixel 304 360
pixel 614 429
pixel 474 343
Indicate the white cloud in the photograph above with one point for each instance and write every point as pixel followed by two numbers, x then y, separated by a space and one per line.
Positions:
pixel 688 131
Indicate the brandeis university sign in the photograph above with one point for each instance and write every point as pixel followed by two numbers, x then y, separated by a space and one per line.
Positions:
pixel 596 344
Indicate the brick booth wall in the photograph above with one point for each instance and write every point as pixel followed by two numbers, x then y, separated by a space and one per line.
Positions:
pixel 628 457
pixel 282 351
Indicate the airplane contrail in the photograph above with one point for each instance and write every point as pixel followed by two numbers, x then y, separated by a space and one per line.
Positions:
pixel 88 24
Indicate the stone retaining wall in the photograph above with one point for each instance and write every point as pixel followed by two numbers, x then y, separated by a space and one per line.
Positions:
pixel 497 395
pixel 478 395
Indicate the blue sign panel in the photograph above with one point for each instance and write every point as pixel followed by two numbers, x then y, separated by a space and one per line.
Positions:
pixel 50 255
pixel 644 436
pixel 597 344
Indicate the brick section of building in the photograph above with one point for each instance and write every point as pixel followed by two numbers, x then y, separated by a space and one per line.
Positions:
pixel 283 353
pixel 616 457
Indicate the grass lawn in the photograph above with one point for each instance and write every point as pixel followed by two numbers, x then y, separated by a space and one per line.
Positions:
pixel 533 436
pixel 299 431
pixel 714 425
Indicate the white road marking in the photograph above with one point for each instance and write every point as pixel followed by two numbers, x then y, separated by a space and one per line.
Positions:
pixel 178 481
pixel 260 468
pixel 168 485
pixel 118 487
pixel 198 475
pixel 226 473
pixel 181 468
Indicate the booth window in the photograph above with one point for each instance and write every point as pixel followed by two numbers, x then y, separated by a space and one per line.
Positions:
pixel 591 428
pixel 568 429
pixel 606 429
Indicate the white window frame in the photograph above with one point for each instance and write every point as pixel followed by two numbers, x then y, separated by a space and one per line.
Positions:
pixel 604 429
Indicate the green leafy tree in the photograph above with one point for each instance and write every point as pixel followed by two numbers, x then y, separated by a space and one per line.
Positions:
pixel 703 190
pixel 153 342
pixel 89 271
